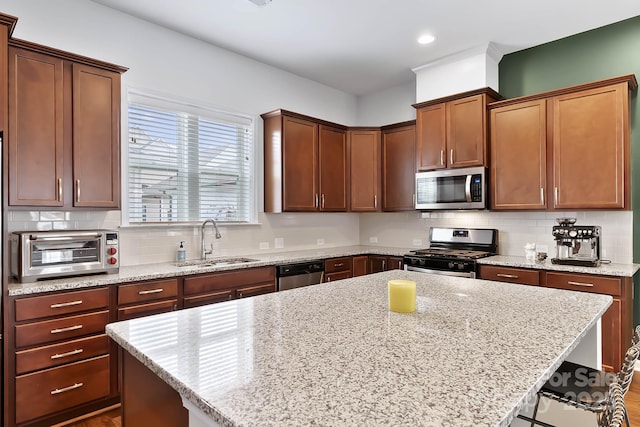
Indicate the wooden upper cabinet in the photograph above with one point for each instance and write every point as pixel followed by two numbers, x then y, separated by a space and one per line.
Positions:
pixel 332 143
pixel 452 131
pixel 364 161
pixel 519 156
pixel 305 164
pixel 35 138
pixel 591 148
pixel 96 137
pixel 299 165
pixel 431 146
pixel 580 132
pixel 398 167
pixel 64 129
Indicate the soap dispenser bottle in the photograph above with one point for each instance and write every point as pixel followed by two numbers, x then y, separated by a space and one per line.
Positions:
pixel 181 254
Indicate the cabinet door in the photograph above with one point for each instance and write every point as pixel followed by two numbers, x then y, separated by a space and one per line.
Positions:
pixel 519 156
pixel 394 263
pixel 300 165
pixel 332 149
pixel 431 148
pixel 466 131
pixel 96 137
pixel 590 149
pixel 398 169
pixel 35 129
pixel 364 154
pixel 360 265
pixel 612 337
pixel 377 263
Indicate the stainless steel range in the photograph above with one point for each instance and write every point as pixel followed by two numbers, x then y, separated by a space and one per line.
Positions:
pixel 453 251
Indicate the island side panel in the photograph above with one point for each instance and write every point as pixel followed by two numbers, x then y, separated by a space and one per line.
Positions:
pixel 147 400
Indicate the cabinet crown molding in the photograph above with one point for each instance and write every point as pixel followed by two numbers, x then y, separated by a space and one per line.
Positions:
pixel 630 79
pixel 482 91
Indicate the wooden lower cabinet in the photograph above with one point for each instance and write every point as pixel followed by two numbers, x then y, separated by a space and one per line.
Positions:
pixel 338 268
pixel 360 265
pixel 378 263
pixel 202 289
pixel 617 321
pixel 146 298
pixel 60 362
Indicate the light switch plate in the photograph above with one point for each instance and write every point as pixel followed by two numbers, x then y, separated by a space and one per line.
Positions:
pixel 278 242
pixel 417 242
pixel 320 242
pixel 373 239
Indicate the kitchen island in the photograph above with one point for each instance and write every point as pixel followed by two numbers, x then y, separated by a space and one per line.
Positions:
pixel 473 353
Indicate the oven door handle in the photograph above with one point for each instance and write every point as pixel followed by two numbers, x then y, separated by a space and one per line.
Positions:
pixel 63 238
pixel 467 187
pixel 469 274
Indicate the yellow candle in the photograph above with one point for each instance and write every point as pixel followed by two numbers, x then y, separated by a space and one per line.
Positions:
pixel 402 296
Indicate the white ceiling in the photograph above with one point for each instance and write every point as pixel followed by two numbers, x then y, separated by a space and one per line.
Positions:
pixel 363 46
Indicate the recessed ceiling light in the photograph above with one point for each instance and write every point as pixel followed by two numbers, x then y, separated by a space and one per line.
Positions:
pixel 260 2
pixel 426 39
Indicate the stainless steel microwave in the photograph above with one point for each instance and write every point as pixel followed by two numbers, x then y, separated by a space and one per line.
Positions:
pixel 452 189
pixel 39 255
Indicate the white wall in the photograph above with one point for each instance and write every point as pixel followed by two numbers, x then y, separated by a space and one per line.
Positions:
pixel 388 106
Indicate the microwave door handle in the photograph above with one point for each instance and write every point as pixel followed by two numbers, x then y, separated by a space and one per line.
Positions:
pixel 467 188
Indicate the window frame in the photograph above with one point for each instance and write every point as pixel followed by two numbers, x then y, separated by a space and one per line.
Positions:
pixel 163 100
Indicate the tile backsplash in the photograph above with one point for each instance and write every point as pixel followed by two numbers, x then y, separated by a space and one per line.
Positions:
pixel 303 231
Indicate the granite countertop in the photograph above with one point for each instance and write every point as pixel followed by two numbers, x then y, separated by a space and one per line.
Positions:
pixel 613 269
pixel 332 354
pixel 169 269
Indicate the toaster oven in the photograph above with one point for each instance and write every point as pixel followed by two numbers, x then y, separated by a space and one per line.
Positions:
pixel 37 255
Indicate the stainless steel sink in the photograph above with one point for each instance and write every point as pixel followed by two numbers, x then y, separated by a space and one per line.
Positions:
pixel 213 261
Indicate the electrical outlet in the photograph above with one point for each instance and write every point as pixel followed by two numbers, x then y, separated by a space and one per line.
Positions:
pixel 278 243
pixel 417 242
pixel 425 215
pixel 373 239
pixel 264 245
pixel 320 242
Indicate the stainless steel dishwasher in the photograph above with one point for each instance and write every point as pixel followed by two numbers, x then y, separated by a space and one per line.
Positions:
pixel 301 274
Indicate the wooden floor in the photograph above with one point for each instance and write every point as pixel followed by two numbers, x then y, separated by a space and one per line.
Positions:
pixel 112 418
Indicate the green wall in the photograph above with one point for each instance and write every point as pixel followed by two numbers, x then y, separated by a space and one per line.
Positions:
pixel 602 53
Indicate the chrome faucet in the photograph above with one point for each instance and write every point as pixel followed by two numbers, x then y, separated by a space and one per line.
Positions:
pixel 204 252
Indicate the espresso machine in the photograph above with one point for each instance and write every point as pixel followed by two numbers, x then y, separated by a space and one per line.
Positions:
pixel 576 244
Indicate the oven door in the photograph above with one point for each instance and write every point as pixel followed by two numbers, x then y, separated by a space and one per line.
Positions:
pixel 445 267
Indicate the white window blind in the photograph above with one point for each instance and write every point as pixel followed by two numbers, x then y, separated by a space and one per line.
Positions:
pixel 187 163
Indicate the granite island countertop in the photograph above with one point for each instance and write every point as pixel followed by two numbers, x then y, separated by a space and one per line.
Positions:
pixel 170 269
pixel 332 354
pixel 611 269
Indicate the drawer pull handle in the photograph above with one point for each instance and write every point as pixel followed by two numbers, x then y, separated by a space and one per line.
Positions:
pixel 586 285
pixel 66 304
pixel 507 276
pixel 339 265
pixel 62 390
pixel 239 294
pixel 151 291
pixel 70 353
pixel 70 328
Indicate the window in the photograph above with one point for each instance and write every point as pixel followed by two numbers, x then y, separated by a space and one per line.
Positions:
pixel 187 163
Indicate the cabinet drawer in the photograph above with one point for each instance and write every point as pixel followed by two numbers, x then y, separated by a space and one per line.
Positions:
pixel 59 354
pixel 338 264
pixel 57 304
pixel 55 389
pixel 586 283
pixel 208 298
pixel 140 310
pixel 332 277
pixel 60 329
pixel 249 291
pixel 147 291
pixel 395 263
pixel 508 274
pixel 228 280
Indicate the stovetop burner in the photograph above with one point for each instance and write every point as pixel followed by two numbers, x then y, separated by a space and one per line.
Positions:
pixel 451 253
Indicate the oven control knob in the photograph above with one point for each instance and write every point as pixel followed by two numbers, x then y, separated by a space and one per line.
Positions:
pixel 112 251
pixel 452 265
pixel 460 266
pixel 573 233
pixel 112 260
pixel 422 261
